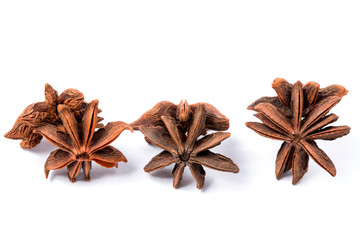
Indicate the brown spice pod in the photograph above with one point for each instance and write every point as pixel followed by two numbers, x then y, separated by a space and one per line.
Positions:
pixel 177 133
pixel 81 144
pixel 46 112
pixel 298 116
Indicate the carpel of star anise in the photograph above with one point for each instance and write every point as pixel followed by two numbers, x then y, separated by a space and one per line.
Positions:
pixel 298 116
pixel 81 144
pixel 46 112
pixel 186 149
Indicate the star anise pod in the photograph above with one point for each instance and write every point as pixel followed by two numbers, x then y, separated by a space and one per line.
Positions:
pixel 186 150
pixel 46 112
pixel 183 114
pixel 81 145
pixel 300 130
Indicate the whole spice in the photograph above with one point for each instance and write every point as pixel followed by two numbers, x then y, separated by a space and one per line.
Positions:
pixel 39 113
pixel 80 144
pixel 184 148
pixel 298 116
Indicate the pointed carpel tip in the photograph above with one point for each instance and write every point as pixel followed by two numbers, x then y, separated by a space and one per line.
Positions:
pixel 199 187
pixel 122 160
pixel 277 80
pixel 130 128
pixel 48 86
pixel 333 172
pixel 295 181
pixel 278 176
pixel 61 107
pixel 7 135
pixel 298 83
pixel 94 102
pixel 259 107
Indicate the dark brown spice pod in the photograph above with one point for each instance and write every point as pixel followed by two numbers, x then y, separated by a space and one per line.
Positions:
pixel 46 112
pixel 298 116
pixel 176 130
pixel 80 144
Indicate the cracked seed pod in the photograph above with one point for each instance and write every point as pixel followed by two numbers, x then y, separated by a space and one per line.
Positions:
pixel 40 113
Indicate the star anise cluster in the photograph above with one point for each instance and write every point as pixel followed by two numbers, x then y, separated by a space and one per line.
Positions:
pixel 69 123
pixel 299 116
pixel 40 113
pixel 176 129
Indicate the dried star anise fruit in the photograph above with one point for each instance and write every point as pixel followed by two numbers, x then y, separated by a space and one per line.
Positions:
pixel 80 144
pixel 183 115
pixel 298 117
pixel 185 149
pixel 46 112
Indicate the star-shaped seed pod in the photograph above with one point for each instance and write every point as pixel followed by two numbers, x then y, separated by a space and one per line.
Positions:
pixel 183 114
pixel 39 113
pixel 80 144
pixel 186 150
pixel 300 130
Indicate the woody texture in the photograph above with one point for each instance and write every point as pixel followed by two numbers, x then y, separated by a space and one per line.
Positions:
pixel 176 129
pixel 80 145
pixel 298 115
pixel 46 112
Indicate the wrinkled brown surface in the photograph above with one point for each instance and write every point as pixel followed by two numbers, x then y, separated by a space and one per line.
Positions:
pixel 46 112
pixel 300 119
pixel 183 115
pixel 185 149
pixel 312 94
pixel 80 144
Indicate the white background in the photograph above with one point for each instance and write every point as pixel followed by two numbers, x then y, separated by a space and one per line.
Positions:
pixel 132 54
